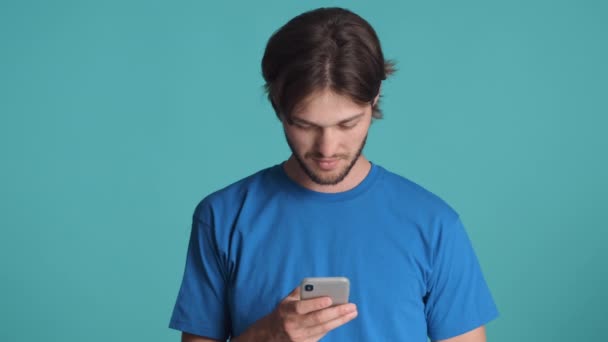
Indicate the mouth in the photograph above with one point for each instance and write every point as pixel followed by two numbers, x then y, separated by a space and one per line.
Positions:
pixel 326 164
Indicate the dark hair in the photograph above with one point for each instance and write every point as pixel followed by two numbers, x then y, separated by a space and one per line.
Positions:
pixel 326 48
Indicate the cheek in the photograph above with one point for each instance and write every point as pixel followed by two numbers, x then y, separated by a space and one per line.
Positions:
pixel 357 136
pixel 300 141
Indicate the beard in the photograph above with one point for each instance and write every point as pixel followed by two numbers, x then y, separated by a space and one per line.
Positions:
pixel 319 178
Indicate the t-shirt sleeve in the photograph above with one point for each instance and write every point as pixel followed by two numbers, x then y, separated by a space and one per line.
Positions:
pixel 200 307
pixel 458 299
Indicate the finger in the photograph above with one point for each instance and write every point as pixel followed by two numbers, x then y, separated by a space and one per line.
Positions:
pixel 317 337
pixel 303 307
pixel 324 328
pixel 322 316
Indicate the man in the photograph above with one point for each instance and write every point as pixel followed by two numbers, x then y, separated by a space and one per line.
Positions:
pixel 328 211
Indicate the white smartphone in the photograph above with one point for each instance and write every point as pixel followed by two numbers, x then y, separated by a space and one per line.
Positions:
pixel 337 288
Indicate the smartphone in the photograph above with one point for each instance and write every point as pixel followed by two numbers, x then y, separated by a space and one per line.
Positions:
pixel 337 288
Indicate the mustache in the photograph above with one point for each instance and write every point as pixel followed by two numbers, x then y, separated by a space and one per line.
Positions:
pixel 317 155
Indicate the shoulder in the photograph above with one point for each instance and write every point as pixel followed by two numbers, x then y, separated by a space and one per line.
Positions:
pixel 231 195
pixel 413 198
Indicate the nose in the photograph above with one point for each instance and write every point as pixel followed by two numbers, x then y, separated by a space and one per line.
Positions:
pixel 326 143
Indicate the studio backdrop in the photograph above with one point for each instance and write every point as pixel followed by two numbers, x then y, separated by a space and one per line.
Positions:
pixel 118 117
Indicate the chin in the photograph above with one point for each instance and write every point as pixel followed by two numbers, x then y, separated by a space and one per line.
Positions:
pixel 329 177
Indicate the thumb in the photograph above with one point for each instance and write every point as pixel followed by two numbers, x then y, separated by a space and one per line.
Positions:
pixel 293 295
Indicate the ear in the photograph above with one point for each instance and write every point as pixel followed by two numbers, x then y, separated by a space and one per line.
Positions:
pixel 376 100
pixel 377 96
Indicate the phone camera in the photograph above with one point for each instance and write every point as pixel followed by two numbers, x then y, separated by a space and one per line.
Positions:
pixel 308 287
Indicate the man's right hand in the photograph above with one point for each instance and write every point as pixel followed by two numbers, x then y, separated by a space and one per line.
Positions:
pixel 296 320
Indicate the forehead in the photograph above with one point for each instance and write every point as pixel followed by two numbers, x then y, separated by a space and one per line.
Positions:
pixel 327 107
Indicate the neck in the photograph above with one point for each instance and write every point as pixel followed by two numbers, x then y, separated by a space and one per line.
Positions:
pixel 356 175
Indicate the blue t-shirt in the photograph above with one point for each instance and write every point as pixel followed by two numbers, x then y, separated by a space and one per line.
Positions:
pixel 412 269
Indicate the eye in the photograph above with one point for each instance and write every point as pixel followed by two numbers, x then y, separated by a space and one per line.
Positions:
pixel 301 125
pixel 347 126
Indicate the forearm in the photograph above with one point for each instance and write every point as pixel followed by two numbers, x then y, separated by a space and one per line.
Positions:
pixel 251 335
pixel 259 331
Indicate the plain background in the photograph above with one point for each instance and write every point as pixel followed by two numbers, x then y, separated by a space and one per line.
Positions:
pixel 117 117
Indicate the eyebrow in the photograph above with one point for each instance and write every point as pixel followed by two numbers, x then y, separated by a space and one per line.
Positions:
pixel 341 122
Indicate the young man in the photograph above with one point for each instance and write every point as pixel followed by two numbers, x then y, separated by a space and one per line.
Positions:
pixel 328 211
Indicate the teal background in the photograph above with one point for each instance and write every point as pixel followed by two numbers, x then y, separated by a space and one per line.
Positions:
pixel 117 117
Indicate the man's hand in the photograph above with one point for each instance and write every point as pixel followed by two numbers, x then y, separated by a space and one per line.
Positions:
pixel 296 320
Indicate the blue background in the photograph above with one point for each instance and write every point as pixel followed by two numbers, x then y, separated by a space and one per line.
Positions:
pixel 117 117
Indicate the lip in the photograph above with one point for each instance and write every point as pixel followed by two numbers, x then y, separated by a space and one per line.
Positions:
pixel 326 164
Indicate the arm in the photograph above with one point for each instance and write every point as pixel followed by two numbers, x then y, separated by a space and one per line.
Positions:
pixel 458 301
pixel 475 335
pixel 194 338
